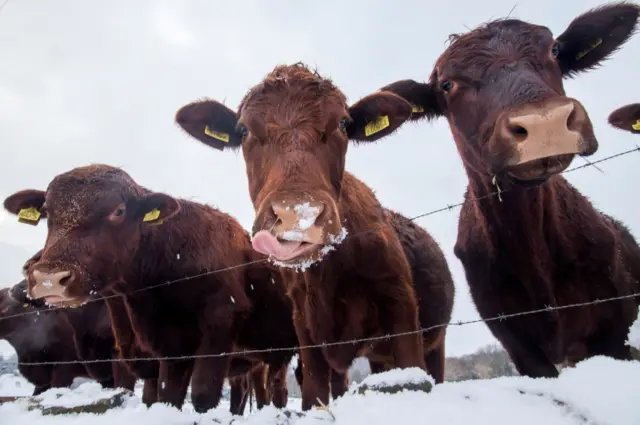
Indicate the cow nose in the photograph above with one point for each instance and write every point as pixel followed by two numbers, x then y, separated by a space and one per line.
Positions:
pixel 302 215
pixel 49 280
pixel 552 120
pixel 549 129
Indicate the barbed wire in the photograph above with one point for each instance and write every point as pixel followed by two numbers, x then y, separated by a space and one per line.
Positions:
pixel 331 344
pixel 449 207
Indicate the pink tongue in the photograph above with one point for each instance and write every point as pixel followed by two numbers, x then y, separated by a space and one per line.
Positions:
pixel 265 243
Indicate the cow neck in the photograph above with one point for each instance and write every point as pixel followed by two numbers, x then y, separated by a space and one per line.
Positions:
pixel 153 262
pixel 521 223
pixel 537 228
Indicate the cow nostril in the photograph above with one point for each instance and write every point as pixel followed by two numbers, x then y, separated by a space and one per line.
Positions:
pixel 571 118
pixel 517 130
pixel 67 279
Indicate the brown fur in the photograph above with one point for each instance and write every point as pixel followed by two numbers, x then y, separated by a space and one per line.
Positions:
pixel 626 118
pixel 243 385
pixel 96 232
pixel 294 128
pixel 44 337
pixel 543 243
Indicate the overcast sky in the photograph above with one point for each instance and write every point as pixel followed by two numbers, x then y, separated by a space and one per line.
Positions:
pixel 86 81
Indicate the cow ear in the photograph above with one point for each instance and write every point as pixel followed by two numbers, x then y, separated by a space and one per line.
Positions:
pixel 210 122
pixel 594 36
pixel 422 96
pixel 155 208
pixel 626 118
pixel 376 116
pixel 27 205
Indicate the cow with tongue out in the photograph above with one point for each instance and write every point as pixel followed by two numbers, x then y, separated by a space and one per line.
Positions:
pixel 343 263
pixel 296 234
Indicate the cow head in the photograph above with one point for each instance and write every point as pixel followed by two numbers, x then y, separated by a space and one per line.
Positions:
pixel 626 118
pixel 294 129
pixel 96 216
pixel 500 86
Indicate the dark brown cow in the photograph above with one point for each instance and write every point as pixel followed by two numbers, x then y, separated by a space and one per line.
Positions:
pixel 120 338
pixel 39 337
pixel 626 118
pixel 540 242
pixel 125 372
pixel 294 128
pixel 91 337
pixel 106 233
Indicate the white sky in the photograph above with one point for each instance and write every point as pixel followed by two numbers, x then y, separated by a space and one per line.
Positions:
pixel 84 81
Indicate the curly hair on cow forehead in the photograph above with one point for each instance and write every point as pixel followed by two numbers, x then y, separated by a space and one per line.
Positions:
pixel 485 43
pixel 297 75
pixel 86 177
pixel 489 29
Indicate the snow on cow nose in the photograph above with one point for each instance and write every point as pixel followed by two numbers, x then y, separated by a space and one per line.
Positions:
pixel 307 214
pixel 297 219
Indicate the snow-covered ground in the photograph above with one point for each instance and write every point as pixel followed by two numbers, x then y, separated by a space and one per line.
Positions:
pixel 599 391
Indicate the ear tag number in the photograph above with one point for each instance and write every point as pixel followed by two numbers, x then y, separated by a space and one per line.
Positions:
pixel 584 52
pixel 152 215
pixel 223 137
pixel 376 126
pixel 29 216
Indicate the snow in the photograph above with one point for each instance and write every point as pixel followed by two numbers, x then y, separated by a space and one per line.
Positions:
pixel 82 395
pixel 301 266
pixel 599 390
pixel 633 338
pixel 14 386
pixel 413 375
pixel 293 235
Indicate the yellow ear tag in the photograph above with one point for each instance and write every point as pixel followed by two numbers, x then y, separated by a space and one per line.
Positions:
pixel 25 305
pixel 152 215
pixel 636 125
pixel 375 126
pixel 593 46
pixel 417 109
pixel 29 216
pixel 224 137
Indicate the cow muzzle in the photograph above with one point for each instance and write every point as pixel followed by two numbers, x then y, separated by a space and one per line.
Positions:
pixel 52 287
pixel 300 230
pixel 541 139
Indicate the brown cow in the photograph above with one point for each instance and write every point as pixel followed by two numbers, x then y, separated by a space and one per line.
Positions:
pixel 294 128
pixel 39 337
pixel 91 337
pixel 435 290
pixel 107 233
pixel 626 118
pixel 125 372
pixel 539 242
pixel 122 343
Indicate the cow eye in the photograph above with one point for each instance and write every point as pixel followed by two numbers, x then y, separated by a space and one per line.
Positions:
pixel 555 50
pixel 343 124
pixel 446 86
pixel 243 131
pixel 118 212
